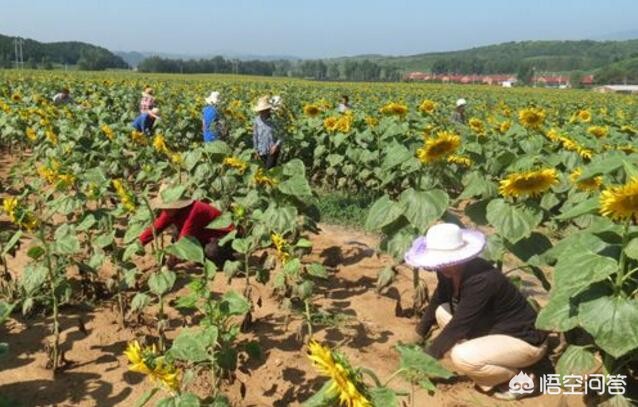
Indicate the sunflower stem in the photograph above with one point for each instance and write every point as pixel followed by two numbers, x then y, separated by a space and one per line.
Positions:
pixel 622 263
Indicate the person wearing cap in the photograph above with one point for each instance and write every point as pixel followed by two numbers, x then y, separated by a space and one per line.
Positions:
pixel 265 142
pixel 485 321
pixel 211 120
pixel 190 218
pixel 147 102
pixel 145 122
pixel 458 116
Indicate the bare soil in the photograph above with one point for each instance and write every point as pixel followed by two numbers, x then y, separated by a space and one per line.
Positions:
pixel 97 372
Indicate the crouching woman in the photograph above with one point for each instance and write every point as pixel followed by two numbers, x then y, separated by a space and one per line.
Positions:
pixel 485 321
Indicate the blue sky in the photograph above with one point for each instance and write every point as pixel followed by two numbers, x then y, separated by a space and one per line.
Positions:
pixel 302 28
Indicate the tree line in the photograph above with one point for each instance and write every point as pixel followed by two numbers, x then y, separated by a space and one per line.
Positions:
pixel 348 70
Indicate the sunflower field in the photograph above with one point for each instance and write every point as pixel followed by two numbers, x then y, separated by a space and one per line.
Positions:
pixel 550 176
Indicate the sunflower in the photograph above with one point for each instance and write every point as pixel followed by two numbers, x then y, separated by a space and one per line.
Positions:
pixel 281 245
pixel 16 97
pixel 427 106
pixel 236 163
pixel 528 183
pixel 51 136
pixel 590 184
pixel 108 132
pixel 261 179
pixel 459 160
pixel 330 123
pixel 394 109
pixel 311 110
pixel 176 158
pixel 371 121
pixel 31 134
pixel 477 126
pixel 620 202
pixel 598 131
pixel 628 129
pixel 434 149
pixel 148 362
pixel 127 199
pixel 159 144
pixel 345 382
pixel 18 215
pixel 553 135
pixel 584 116
pixel 532 117
pixel 504 126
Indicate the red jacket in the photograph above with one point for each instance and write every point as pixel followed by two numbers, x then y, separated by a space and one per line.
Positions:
pixel 189 221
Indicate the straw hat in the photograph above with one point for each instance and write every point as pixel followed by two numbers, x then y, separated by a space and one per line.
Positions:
pixel 445 245
pixel 213 98
pixel 148 91
pixel 461 102
pixel 262 104
pixel 170 198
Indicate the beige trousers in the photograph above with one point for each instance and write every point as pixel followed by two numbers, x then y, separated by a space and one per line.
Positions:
pixel 492 359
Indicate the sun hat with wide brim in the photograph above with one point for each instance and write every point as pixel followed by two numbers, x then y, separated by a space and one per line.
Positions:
pixel 461 102
pixel 213 98
pixel 445 245
pixel 263 104
pixel 170 198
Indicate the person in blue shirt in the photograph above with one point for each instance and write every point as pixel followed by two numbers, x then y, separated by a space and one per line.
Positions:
pixel 145 121
pixel 210 118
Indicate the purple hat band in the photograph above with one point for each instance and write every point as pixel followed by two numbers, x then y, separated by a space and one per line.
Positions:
pixel 419 255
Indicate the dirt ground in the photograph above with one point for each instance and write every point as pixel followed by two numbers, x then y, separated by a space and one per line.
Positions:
pixel 94 343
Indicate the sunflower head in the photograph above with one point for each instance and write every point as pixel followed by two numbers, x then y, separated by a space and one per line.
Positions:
pixel 504 126
pixel 371 121
pixel 620 203
pixel 584 116
pixel 394 109
pixel 439 147
pixel 427 106
pixel 590 184
pixel 149 362
pixel 598 131
pixel 528 183
pixel 477 126
pixel 532 117
pixel 236 163
pixel 311 110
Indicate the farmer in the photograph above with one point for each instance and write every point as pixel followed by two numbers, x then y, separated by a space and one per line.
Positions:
pixel 148 100
pixel 211 121
pixel 344 106
pixel 190 218
pixel 458 116
pixel 145 122
pixel 485 321
pixel 265 142
pixel 63 97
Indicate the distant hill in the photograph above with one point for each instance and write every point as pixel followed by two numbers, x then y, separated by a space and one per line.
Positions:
pixel 85 56
pixel 557 56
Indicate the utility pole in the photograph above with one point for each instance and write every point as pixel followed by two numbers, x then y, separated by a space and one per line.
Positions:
pixel 17 43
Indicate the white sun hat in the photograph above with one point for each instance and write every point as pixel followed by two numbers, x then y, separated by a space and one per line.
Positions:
pixel 263 104
pixel 275 101
pixel 213 98
pixel 444 245
pixel 461 102
pixel 155 112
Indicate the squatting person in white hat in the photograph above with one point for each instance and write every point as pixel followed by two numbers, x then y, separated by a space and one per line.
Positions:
pixel 211 120
pixel 265 140
pixel 485 321
pixel 190 218
pixel 458 116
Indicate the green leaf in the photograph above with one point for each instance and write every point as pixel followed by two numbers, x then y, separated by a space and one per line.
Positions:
pixel 304 244
pixel 161 282
pixel 6 248
pixel 560 314
pixel 579 270
pixel 33 277
pixel 423 208
pixel 139 302
pixel 86 223
pixel 4 349
pixel 234 303
pixel 631 250
pixel 133 232
pixel 427 385
pixel 221 222
pixel 323 398
pixel 576 360
pixel 601 165
pixel 181 400
pixel 174 193
pixel 35 252
pixel 383 212
pixel 187 248
pixel 66 241
pixel 612 321
pixel 5 310
pixel 104 240
pixel 296 186
pixel 231 268
pixel 317 270
pixel 383 396
pixel 132 249
pixel 414 360
pixel 586 207
pixel 190 346
pixel 242 246
pixel 513 222
pixel 395 154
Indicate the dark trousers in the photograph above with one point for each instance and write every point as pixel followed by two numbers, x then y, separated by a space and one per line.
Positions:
pixel 219 254
pixel 270 160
